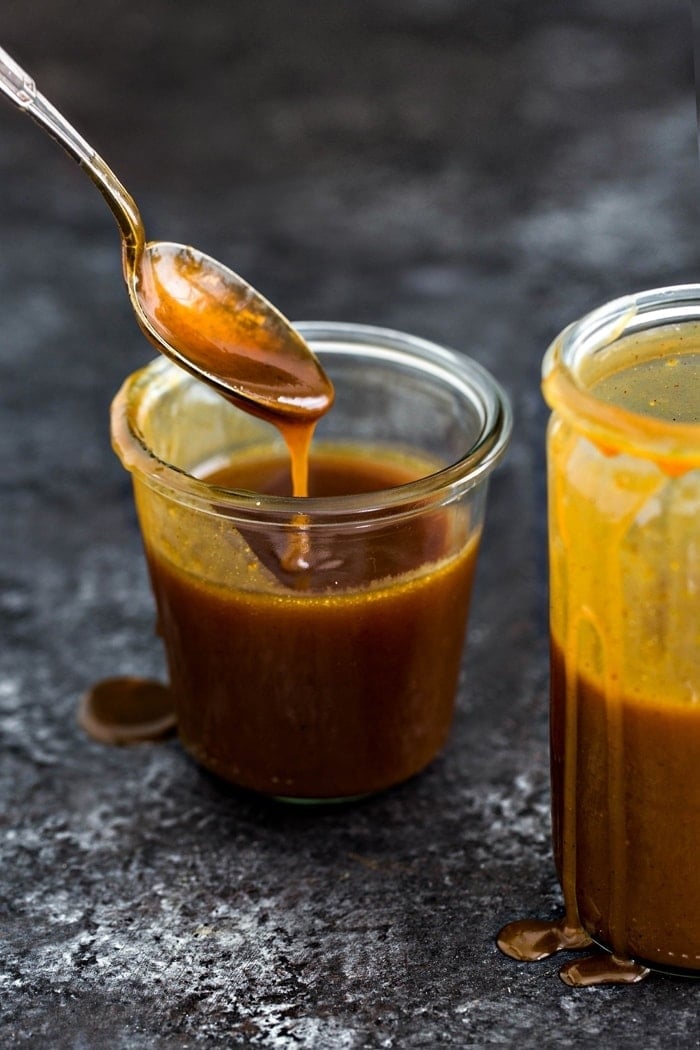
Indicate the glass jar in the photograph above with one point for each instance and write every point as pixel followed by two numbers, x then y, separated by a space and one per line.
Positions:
pixel 624 539
pixel 340 680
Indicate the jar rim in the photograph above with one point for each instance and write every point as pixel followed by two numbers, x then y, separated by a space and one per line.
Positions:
pixel 448 483
pixel 675 445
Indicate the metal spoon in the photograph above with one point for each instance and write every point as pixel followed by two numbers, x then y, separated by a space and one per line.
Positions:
pixel 192 308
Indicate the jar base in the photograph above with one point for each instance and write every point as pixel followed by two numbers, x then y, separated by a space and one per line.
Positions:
pixel 270 791
pixel 291 800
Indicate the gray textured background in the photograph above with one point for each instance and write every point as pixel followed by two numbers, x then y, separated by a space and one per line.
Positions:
pixel 479 173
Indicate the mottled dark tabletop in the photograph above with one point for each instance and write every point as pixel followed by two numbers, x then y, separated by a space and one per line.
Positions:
pixel 478 172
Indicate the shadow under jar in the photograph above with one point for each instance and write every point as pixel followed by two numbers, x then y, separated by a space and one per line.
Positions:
pixel 314 644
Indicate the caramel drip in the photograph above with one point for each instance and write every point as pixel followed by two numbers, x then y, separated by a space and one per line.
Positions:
pixel 568 809
pixel 127 710
pixel 297 438
pixel 529 940
pixel 617 830
pixel 602 968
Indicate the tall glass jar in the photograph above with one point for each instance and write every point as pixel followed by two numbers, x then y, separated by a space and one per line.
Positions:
pixel 624 528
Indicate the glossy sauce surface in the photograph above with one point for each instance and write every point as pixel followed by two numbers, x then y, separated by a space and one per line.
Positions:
pixel 237 341
pixel 127 710
pixel 661 387
pixel 327 682
pixel 218 327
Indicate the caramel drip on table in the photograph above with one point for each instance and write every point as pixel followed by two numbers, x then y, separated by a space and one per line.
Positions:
pixel 529 940
pixel 602 968
pixel 297 438
pixel 127 710
pixel 617 831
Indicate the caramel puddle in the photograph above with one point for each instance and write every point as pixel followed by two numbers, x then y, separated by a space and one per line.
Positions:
pixel 602 968
pixel 530 940
pixel 126 710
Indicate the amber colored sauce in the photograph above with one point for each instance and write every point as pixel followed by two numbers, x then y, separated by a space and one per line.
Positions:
pixel 126 710
pixel 623 836
pixel 529 940
pixel 246 350
pixel 624 760
pixel 337 680
pixel 640 788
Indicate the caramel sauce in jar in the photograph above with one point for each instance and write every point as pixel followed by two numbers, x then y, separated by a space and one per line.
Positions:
pixel 314 643
pixel 624 508
pixel 331 680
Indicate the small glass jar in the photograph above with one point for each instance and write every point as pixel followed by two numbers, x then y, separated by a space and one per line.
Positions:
pixel 624 535
pixel 341 681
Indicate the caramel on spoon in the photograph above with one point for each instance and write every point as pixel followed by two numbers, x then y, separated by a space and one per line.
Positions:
pixel 192 308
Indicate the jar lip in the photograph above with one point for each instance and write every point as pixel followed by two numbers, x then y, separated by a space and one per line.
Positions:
pixel 611 426
pixel 330 336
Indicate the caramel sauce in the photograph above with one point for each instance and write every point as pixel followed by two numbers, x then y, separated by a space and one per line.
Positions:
pixel 602 968
pixel 305 661
pixel 608 870
pixel 239 343
pixel 331 682
pixel 662 387
pixel 633 813
pixel 529 940
pixel 624 717
pixel 124 711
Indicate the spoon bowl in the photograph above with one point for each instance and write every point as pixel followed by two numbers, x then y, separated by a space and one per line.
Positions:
pixel 235 339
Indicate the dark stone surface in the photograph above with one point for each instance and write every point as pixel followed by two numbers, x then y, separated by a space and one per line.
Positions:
pixel 479 173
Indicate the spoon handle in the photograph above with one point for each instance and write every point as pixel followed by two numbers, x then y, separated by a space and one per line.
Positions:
pixel 21 89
